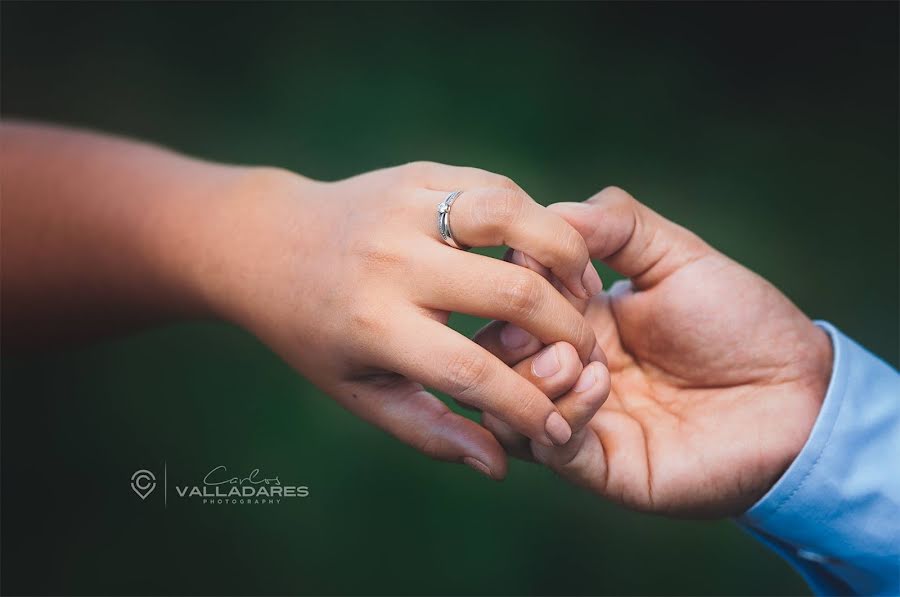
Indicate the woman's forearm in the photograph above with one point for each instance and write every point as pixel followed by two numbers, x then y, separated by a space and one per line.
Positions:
pixel 100 233
pixel 350 282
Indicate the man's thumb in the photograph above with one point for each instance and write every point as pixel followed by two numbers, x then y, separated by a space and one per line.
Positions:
pixel 630 237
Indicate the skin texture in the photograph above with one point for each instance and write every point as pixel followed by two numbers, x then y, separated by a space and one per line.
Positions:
pixel 716 377
pixel 348 281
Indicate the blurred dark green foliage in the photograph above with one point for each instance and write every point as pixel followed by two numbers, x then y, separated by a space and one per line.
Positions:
pixel 771 129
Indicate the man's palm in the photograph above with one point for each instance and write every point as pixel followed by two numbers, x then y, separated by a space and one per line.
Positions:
pixel 717 377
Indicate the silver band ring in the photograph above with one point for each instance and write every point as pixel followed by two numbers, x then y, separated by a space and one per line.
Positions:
pixel 444 220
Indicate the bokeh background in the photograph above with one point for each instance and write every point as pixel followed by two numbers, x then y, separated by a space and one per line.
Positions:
pixel 770 129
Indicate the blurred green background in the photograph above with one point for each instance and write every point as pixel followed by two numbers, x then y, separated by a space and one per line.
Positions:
pixel 770 129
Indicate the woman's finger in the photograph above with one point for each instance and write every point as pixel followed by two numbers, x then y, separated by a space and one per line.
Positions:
pixel 521 259
pixel 431 353
pixel 578 406
pixel 509 342
pixel 495 216
pixel 490 288
pixel 506 341
pixel 416 417
pixel 516 445
pixel 554 370
pixel 445 178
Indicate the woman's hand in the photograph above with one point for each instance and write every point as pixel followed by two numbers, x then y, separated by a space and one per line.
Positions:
pixel 347 281
pixel 351 283
pixel 717 378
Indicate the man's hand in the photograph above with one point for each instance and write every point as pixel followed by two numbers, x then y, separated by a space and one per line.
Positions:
pixel 717 378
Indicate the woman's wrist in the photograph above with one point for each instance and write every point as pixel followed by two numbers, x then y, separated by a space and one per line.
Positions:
pixel 221 241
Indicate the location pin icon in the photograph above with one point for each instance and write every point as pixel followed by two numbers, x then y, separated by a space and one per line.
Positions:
pixel 143 482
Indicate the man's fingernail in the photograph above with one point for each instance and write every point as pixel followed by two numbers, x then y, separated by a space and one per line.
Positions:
pixel 586 380
pixel 557 428
pixel 591 280
pixel 478 466
pixel 512 336
pixel 546 363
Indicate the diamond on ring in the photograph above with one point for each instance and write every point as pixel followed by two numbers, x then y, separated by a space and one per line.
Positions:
pixel 444 219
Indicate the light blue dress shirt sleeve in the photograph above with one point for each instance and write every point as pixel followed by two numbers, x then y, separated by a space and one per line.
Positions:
pixel 835 513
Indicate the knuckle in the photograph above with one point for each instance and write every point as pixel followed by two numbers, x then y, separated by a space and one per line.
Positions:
pixel 526 409
pixel 523 293
pixel 466 372
pixel 502 208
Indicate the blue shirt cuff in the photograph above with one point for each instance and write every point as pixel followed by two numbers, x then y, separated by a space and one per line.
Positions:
pixel 835 513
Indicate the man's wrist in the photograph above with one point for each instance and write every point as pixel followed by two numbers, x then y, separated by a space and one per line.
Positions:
pixel 833 508
pixel 818 355
pixel 815 356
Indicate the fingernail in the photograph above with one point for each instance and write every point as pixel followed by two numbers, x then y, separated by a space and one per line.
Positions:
pixel 478 466
pixel 586 380
pixel 512 336
pixel 546 363
pixel 557 428
pixel 591 280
